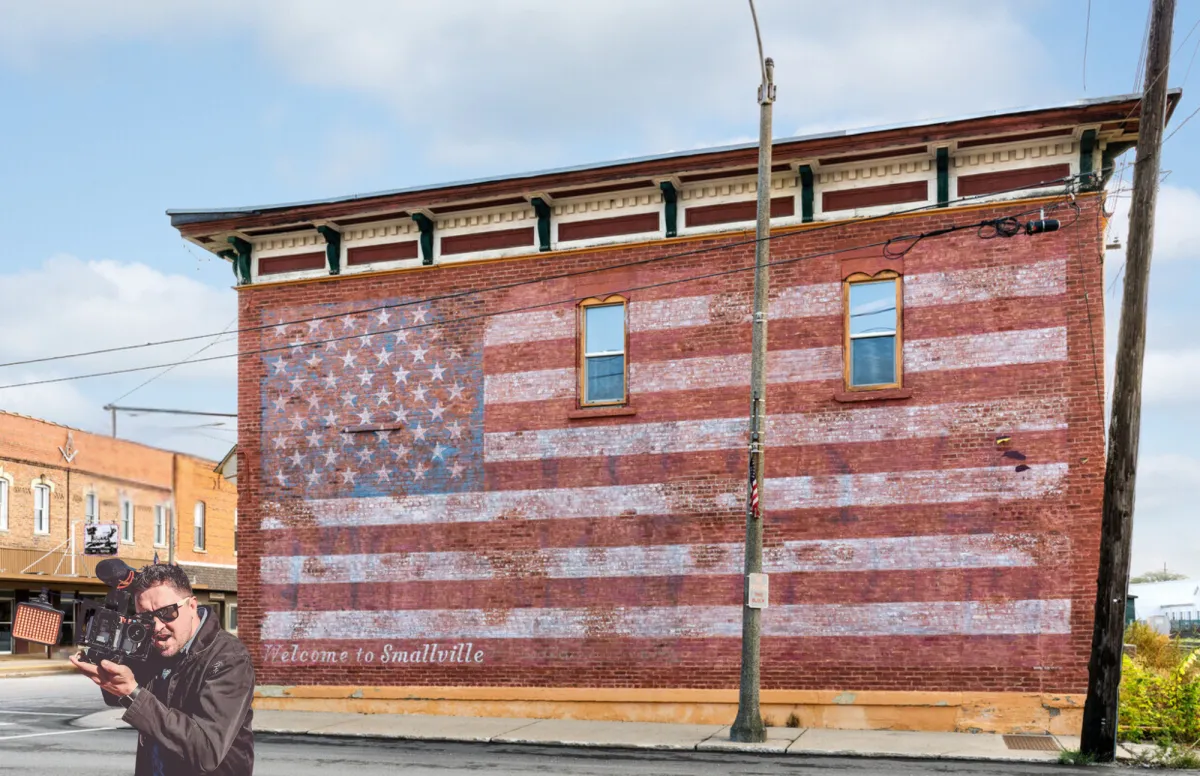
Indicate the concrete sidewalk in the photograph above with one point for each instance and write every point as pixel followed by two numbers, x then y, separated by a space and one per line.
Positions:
pixel 20 667
pixel 639 735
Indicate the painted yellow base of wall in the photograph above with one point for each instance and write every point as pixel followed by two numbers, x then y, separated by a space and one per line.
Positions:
pixel 876 710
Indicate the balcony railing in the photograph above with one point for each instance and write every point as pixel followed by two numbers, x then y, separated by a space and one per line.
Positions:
pixel 32 564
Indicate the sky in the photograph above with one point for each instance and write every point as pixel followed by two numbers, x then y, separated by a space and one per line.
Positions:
pixel 115 112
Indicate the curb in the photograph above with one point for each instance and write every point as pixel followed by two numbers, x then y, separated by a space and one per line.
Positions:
pixel 25 673
pixel 698 747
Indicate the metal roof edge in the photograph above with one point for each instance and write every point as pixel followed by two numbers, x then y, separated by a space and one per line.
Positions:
pixel 184 216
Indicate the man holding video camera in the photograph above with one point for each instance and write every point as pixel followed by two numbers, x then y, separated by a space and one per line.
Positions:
pixel 190 701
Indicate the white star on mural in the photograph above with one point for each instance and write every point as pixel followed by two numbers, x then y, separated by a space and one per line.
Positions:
pixel 419 315
pixel 330 457
pixel 331 380
pixel 348 477
pixel 437 370
pixel 418 470
pixel 364 456
pixel 348 359
pixel 314 439
pixel 279 364
pixel 313 477
pixel 348 399
pixel 280 403
pixel 383 357
pixel 418 393
pixel 330 418
pixel 364 377
pixel 383 317
pixel 364 341
pixel 313 361
pixel 438 452
pixel 401 336
pixel 313 400
pixel 348 323
pixel 419 433
pixel 364 417
pixel 456 469
pixel 418 353
pixel 297 383
pixel 401 374
pixel 382 474
pixel 281 479
pixel 399 452
pixel 400 415
pixel 315 324
pixel 383 397
pixel 280 442
pixel 297 422
pixel 455 430
pixel 437 411
pixel 296 458
pixel 384 435
pixel 456 391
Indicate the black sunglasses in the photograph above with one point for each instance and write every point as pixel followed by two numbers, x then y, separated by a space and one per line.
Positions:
pixel 167 613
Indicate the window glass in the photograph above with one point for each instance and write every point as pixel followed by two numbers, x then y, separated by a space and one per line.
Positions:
pixel 605 329
pixel 127 521
pixel 3 505
pixel 604 353
pixel 41 509
pixel 199 525
pixel 89 508
pixel 160 526
pixel 872 325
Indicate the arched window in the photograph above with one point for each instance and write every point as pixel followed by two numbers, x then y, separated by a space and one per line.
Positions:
pixel 873 331
pixel 603 366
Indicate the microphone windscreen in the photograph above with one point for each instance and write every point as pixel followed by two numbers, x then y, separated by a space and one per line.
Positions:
pixel 114 572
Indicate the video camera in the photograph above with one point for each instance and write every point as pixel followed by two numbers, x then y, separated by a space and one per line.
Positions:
pixel 112 632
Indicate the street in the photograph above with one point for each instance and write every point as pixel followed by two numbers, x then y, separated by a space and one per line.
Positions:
pixel 36 737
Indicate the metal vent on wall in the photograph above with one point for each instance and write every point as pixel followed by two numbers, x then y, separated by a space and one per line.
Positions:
pixel 1036 743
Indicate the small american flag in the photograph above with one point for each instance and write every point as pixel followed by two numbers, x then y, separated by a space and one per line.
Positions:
pixel 753 490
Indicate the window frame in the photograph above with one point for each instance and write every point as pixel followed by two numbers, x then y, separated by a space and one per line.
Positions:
pixel 5 498
pixel 91 508
pixel 610 300
pixel 200 527
pixel 44 488
pixel 127 509
pixel 161 522
pixel 847 341
pixel 231 613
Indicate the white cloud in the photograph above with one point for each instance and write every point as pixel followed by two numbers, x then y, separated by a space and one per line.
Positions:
pixel 1165 529
pixel 68 305
pixel 1170 377
pixel 1176 227
pixel 518 83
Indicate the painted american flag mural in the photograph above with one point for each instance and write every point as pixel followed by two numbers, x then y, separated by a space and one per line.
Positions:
pixel 431 510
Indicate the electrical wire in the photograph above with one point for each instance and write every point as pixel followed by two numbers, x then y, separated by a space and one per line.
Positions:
pixel 168 369
pixel 1066 181
pixel 540 305
pixel 1087 34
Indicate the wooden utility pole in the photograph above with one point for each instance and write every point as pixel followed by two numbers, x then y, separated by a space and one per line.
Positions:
pixel 748 725
pixel 1116 529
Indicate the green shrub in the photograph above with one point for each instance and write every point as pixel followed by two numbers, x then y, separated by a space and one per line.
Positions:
pixel 1160 690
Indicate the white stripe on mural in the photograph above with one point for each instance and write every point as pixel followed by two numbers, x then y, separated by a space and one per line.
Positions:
pixel 837 426
pixel 948 486
pixel 942 486
pixel 926 289
pixel 904 553
pixel 918 618
pixel 977 351
pixel 973 351
pixel 1047 278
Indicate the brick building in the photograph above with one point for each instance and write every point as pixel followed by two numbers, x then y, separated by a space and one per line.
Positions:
pixel 55 481
pixel 492 434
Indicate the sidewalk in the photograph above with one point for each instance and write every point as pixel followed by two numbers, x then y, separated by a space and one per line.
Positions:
pixel 639 735
pixel 21 667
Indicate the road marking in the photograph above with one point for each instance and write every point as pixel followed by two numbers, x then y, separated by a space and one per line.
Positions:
pixel 38 713
pixel 55 733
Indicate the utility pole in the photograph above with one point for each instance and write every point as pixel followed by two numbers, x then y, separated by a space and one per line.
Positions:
pixel 748 726
pixel 1116 529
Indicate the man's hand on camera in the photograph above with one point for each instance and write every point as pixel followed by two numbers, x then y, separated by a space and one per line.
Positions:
pixel 112 677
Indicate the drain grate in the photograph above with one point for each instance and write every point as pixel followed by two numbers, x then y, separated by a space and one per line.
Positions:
pixel 1036 743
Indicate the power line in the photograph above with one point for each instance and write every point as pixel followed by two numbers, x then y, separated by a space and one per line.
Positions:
pixel 168 369
pixel 1087 33
pixel 911 240
pixel 1066 181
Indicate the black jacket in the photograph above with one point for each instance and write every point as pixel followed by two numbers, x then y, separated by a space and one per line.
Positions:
pixel 198 718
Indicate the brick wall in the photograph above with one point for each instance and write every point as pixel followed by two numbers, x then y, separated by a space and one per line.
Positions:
pixel 1062 517
pixel 196 481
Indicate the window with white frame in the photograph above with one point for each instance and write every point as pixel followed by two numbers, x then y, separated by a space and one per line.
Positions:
pixel 41 509
pixel 198 524
pixel 161 517
pixel 127 521
pixel 91 511
pixel 603 367
pixel 4 486
pixel 232 617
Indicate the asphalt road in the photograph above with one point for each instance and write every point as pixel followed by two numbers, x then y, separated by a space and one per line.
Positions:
pixel 36 737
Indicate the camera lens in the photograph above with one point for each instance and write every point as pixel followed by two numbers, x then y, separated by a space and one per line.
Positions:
pixel 136 632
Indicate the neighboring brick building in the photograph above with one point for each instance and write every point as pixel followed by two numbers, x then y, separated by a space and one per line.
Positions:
pixel 508 476
pixel 55 480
